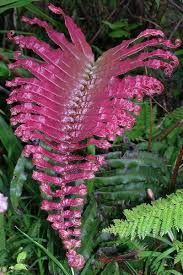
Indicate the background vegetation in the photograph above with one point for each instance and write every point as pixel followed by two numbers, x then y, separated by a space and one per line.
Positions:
pixel 142 166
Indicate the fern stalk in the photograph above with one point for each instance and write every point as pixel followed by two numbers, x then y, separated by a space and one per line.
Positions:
pixel 176 169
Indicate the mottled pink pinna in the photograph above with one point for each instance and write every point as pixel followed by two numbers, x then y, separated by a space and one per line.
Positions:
pixel 72 101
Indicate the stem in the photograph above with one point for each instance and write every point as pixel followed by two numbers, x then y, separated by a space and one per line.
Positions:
pixel 171 236
pixel 41 270
pixel 176 169
pixel 2 233
pixel 150 126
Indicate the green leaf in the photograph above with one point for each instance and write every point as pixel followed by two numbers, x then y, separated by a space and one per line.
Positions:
pixel 10 143
pixel 14 4
pixel 172 271
pixel 18 180
pixel 21 257
pixel 119 33
pixel 116 25
pixel 157 3
pixel 163 255
pixel 179 52
pixel 4 71
pixel 89 229
pixel 20 267
pixel 8 2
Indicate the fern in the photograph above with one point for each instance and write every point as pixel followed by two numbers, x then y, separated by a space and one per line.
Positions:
pixel 123 179
pixel 72 101
pixel 177 114
pixel 142 126
pixel 160 130
pixel 157 218
pixel 179 257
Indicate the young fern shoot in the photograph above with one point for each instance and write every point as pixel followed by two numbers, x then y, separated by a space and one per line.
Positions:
pixel 72 101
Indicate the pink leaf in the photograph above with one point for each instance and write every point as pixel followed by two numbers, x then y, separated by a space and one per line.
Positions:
pixel 72 101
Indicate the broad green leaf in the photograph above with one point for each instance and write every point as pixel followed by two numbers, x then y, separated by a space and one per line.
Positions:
pixel 179 52
pixel 119 33
pixel 89 229
pixel 20 266
pixel 21 257
pixel 157 3
pixel 10 143
pixel 116 25
pixel 18 180
pixel 4 71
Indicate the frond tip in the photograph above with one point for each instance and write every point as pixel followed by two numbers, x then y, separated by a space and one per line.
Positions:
pixel 72 101
pixel 157 218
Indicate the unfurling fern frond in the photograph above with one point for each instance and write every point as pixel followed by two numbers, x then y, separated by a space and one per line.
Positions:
pixel 157 218
pixel 72 101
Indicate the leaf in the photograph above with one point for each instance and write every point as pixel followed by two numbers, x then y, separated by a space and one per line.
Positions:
pixel 119 34
pixel 18 180
pixel 157 218
pixel 162 256
pixel 89 229
pixel 157 3
pixel 179 52
pixel 10 143
pixel 4 71
pixel 13 4
pixel 20 266
pixel 116 25
pixel 21 257
pixel 8 2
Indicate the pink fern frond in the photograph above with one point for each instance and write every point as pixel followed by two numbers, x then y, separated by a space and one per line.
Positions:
pixel 72 101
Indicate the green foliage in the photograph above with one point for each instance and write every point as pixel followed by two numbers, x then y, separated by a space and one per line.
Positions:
pixel 10 4
pixel 18 180
pixel 141 129
pixel 128 177
pixel 120 29
pixel 157 218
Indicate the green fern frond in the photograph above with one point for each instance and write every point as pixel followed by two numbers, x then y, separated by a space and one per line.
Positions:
pixel 178 245
pixel 179 257
pixel 157 218
pixel 142 125
pixel 177 114
pixel 127 177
